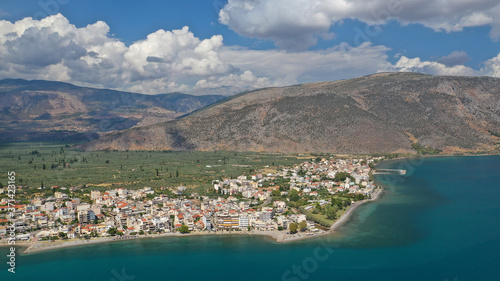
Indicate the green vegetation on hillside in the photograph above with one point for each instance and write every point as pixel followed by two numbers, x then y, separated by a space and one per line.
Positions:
pixel 425 150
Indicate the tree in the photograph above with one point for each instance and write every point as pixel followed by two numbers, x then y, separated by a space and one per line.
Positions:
pixel 63 235
pixel 293 195
pixel 302 226
pixel 331 213
pixel 347 203
pixel 301 173
pixel 342 176
pixel 184 229
pixel 359 196
pixel 177 173
pixel 293 227
pixel 276 192
pixel 338 202
pixel 318 207
pixel 112 231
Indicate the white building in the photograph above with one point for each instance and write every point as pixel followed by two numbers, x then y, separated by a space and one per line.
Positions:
pixel 244 222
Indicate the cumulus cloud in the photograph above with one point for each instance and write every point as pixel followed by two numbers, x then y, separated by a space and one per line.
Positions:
pixel 166 61
pixel 177 60
pixel 405 64
pixel 492 67
pixel 296 24
pixel 285 68
pixel 54 49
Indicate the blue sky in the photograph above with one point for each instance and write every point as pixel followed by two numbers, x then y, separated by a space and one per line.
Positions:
pixel 143 46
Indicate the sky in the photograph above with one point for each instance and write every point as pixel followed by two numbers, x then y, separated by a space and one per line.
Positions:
pixel 226 46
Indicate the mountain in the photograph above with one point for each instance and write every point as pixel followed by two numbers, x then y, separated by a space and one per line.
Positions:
pixel 47 110
pixel 386 112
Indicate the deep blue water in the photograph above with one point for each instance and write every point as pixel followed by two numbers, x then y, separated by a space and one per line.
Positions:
pixel 439 222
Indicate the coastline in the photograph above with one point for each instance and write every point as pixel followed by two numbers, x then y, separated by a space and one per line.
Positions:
pixel 278 236
pixel 415 156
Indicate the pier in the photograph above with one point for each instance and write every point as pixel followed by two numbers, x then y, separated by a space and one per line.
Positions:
pixel 390 171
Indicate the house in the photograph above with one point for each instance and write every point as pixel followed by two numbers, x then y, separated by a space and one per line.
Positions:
pixel 280 204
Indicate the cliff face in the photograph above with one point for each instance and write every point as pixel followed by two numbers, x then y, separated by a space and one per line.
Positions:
pixel 46 110
pixel 378 113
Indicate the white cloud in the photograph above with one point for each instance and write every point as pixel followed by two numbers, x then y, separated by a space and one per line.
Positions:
pixel 296 24
pixel 176 53
pixel 492 67
pixel 54 49
pixel 243 81
pixel 430 67
pixel 167 61
pixel 286 68
pixel 160 85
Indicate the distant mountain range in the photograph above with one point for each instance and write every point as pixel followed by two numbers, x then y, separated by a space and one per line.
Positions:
pixel 46 110
pixel 386 112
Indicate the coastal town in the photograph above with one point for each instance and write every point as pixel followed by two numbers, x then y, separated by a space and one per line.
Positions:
pixel 290 203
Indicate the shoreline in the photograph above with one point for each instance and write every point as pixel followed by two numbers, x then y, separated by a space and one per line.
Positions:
pixel 277 236
pixel 414 156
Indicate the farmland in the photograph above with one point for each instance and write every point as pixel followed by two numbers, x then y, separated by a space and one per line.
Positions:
pixel 56 164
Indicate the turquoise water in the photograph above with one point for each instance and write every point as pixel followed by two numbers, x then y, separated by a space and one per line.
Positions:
pixel 439 222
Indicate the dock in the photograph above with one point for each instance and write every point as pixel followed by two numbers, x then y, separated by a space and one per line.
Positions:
pixel 390 171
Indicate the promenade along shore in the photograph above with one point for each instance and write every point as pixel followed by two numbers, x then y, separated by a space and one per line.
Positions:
pixel 308 200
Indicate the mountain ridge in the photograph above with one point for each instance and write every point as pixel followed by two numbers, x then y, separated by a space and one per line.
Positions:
pixel 46 110
pixel 380 113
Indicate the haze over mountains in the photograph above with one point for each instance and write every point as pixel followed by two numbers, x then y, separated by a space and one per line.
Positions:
pixel 45 110
pixel 386 112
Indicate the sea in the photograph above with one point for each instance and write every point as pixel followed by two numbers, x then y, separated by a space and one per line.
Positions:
pixel 440 221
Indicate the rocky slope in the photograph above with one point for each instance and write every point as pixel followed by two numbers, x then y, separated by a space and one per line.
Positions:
pixel 385 112
pixel 45 110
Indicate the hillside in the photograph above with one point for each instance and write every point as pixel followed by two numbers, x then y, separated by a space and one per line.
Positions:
pixel 385 112
pixel 46 110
